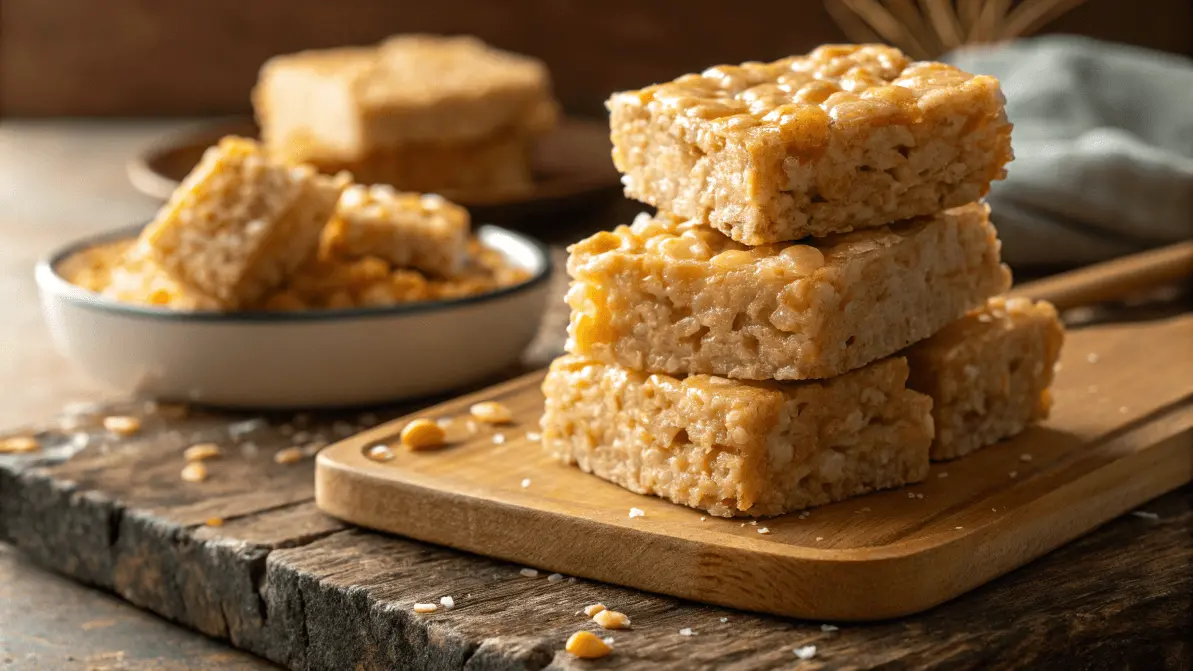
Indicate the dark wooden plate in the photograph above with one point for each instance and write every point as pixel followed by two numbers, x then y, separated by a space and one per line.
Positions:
pixel 571 168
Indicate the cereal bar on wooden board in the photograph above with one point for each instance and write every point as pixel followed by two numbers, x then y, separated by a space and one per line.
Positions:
pixel 988 373
pixel 240 223
pixel 673 296
pixel 846 137
pixel 739 448
pixel 421 112
pixel 408 230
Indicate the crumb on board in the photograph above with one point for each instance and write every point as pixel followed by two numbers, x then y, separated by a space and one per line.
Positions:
pixel 828 628
pixel 122 425
pixel 1025 457
pixel 525 483
pixel 555 577
pixel 379 453
pixel 1145 515
pixel 724 619
pixel 587 645
pixel 805 652
pixel 288 455
pixel 201 451
pixel 491 412
pixel 19 445
pixel 194 471
pixel 529 573
pixel 447 602
pixel 763 530
pixel 1013 474
pixel 942 474
pixel 687 631
pixel 637 512
pixel 534 436
pixel 422 434
pixel 426 607
pixel 612 619
pixel 593 609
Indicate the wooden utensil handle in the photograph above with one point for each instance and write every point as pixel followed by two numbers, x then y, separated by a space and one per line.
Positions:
pixel 1112 280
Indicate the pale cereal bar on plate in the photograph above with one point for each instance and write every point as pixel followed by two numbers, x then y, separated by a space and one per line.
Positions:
pixel 846 137
pixel 739 448
pixel 241 223
pixel 420 112
pixel 988 373
pixel 673 296
pixel 408 230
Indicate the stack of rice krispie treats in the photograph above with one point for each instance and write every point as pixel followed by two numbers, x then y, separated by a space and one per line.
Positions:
pixel 813 312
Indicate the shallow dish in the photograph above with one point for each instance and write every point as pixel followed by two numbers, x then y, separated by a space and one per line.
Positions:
pixel 571 169
pixel 308 359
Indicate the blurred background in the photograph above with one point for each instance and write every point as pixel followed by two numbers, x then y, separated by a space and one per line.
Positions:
pixel 200 57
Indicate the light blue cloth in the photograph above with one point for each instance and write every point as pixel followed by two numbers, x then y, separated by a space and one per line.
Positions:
pixel 1103 144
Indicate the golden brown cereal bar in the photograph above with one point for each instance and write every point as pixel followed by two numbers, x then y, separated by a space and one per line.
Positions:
pixel 844 138
pixel 988 373
pixel 739 448
pixel 672 296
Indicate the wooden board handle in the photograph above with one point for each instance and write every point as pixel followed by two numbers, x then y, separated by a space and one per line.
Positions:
pixel 1113 280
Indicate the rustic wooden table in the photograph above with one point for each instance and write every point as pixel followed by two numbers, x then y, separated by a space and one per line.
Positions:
pixel 283 581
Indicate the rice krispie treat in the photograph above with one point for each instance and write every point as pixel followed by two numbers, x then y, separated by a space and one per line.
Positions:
pixel 846 137
pixel 673 296
pixel 988 373
pixel 739 448
pixel 420 112
pixel 409 230
pixel 240 223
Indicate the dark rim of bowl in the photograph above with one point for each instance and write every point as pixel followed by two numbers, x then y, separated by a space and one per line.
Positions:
pixel 46 272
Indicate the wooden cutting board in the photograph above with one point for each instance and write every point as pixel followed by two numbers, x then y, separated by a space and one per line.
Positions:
pixel 1121 433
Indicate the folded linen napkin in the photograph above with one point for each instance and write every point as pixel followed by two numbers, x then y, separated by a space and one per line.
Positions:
pixel 1103 148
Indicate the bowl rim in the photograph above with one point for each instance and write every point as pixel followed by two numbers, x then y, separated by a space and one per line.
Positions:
pixel 50 282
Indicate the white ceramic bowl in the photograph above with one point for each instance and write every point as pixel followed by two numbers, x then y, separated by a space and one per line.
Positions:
pixel 324 358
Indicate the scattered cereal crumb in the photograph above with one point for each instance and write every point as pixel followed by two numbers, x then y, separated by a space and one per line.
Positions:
pixel 611 619
pixel 820 538
pixel 958 528
pixel 122 425
pixel 380 453
pixel 491 412
pixel 201 451
pixel 195 471
pixel 1145 515
pixel 806 652
pixel 702 518
pixel 608 640
pixel 1092 357
pixel 19 445
pixel 687 631
pixel 593 609
pixel 1025 457
pixel 805 515
pixel 525 483
pixel 862 510
pixel 214 521
pixel 499 439
pixel 533 436
pixel 447 602
pixel 571 580
pixel 1013 474
pixel 422 434
pixel 724 619
pixel 426 607
pixel 753 523
pixel 587 645
pixel 985 318
pixel 637 512
pixel 249 449
pixel 919 495
pixel 764 530
pixel 555 577
pixel 529 573
pixel 826 628
pixel 942 474
pixel 288 455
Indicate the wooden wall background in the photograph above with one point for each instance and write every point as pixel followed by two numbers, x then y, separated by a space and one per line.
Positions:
pixel 199 57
